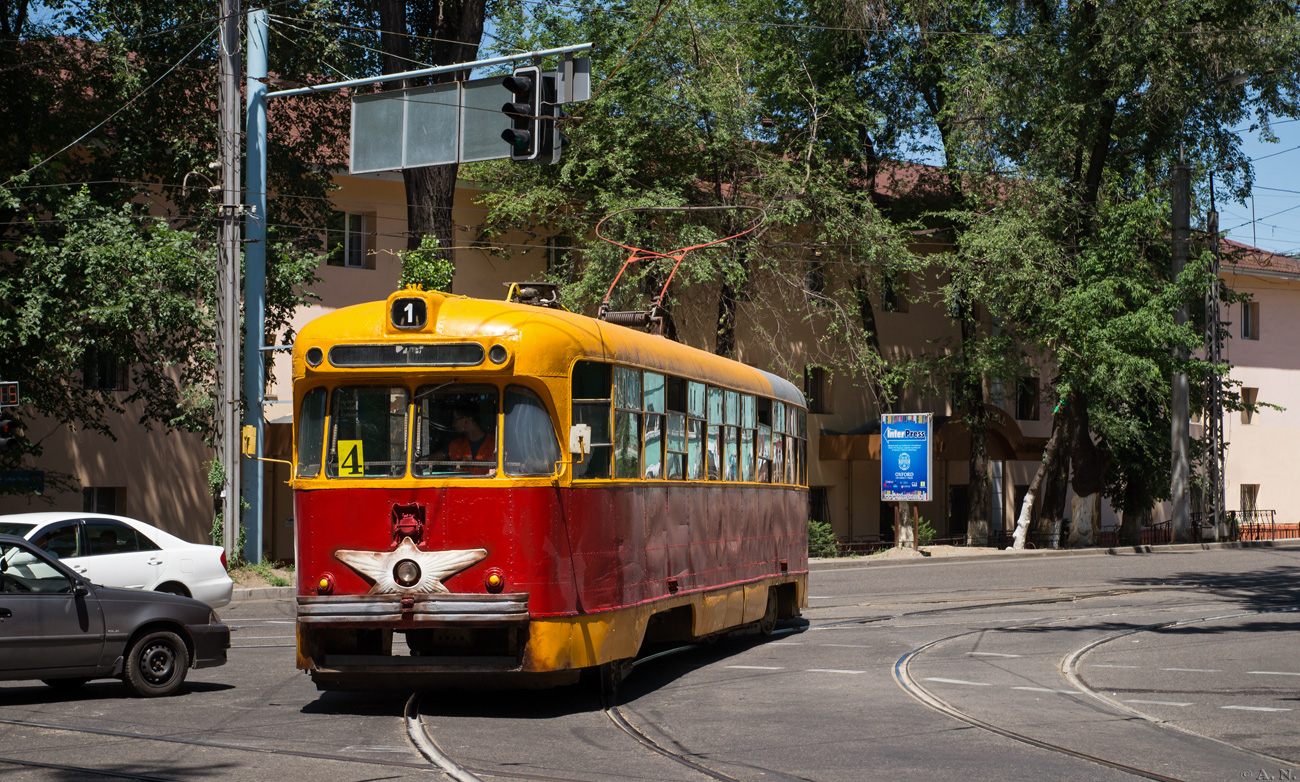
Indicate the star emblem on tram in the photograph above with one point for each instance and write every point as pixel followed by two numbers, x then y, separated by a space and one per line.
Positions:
pixel 408 569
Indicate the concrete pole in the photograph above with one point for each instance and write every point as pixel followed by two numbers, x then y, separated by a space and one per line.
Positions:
pixel 225 418
pixel 1180 427
pixel 255 277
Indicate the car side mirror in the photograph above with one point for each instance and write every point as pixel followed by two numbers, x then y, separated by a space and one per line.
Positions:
pixel 80 589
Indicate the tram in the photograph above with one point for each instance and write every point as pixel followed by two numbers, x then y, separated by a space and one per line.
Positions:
pixel 508 487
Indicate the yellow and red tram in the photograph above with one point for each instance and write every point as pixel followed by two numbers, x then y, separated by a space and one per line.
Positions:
pixel 503 487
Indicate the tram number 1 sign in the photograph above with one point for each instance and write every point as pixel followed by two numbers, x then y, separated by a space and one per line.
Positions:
pixel 905 459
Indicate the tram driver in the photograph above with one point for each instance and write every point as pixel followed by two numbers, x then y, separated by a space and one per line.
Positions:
pixel 472 444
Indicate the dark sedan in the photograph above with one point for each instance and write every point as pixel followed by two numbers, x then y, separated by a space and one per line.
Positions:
pixel 57 627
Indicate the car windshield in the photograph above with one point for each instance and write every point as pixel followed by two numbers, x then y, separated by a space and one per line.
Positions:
pixel 14 528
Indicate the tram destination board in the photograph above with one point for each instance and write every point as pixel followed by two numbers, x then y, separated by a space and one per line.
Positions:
pixel 905 460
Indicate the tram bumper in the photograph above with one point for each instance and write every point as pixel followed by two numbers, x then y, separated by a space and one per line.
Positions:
pixel 351 637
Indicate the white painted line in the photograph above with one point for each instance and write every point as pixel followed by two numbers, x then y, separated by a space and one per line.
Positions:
pixel 784 643
pixel 1047 689
pixel 956 681
pixel 1100 665
pixel 849 646
pixel 1196 670
pixel 820 597
pixel 1274 673
pixel 990 654
pixel 1252 708
pixel 1160 703
pixel 757 667
pixel 830 670
pixel 262 637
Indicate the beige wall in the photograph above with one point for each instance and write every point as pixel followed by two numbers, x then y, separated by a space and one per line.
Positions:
pixel 164 475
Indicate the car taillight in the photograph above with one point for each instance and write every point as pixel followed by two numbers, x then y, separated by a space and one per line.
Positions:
pixel 224 566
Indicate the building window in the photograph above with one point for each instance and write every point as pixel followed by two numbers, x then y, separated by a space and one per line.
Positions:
pixel 559 257
pixel 1027 399
pixel 101 371
pixel 103 499
pixel 1250 320
pixel 1248 398
pixel 1249 497
pixel 815 280
pixel 819 506
pixel 817 389
pixel 893 292
pixel 350 240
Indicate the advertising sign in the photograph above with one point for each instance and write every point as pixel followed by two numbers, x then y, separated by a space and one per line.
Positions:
pixel 905 457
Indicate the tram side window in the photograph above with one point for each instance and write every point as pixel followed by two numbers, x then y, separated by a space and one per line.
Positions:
pixel 696 409
pixel 803 447
pixel 675 401
pixel 311 433
pixel 591 406
pixel 530 444
pixel 627 423
pixel 367 432
pixel 748 424
pixel 778 442
pixel 764 445
pixel 455 431
pixel 654 424
pixel 714 447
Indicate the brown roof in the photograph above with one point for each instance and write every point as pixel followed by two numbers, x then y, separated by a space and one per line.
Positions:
pixel 1244 259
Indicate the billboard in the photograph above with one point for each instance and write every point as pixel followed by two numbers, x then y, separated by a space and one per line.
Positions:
pixel 905 457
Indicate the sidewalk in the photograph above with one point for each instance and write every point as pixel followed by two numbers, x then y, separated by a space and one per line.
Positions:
pixel 908 557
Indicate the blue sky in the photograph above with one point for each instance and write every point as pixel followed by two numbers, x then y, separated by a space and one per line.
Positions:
pixel 1276 190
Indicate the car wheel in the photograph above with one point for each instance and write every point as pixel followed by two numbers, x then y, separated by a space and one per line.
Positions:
pixel 156 664
pixel 172 589
pixel 66 684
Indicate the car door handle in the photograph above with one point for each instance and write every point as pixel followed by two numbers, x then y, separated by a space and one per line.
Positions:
pixel 79 568
pixel 155 561
pixel 5 613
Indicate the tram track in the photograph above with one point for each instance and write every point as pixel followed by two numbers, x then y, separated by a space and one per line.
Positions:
pixel 1068 669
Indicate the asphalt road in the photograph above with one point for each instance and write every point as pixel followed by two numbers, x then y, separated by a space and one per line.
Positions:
pixel 1172 665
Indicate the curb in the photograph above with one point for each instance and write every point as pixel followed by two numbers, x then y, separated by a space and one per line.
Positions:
pixel 261 593
pixel 272 593
pixel 850 562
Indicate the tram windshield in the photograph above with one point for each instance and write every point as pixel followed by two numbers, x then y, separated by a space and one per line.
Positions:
pixel 367 436
pixel 455 430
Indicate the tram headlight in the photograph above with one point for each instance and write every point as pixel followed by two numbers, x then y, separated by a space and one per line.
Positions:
pixel 315 356
pixel 495 580
pixel 406 573
pixel 498 354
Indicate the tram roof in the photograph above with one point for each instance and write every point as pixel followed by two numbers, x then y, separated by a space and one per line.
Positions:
pixel 542 341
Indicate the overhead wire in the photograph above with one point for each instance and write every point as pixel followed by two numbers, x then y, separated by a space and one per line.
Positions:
pixel 121 109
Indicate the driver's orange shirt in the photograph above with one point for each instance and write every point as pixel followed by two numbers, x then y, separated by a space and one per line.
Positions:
pixel 459 450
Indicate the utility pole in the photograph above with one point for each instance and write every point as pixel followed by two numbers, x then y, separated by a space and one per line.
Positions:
pixel 226 419
pixel 1182 217
pixel 255 279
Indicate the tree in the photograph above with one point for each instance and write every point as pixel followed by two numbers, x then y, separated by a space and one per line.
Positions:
pixel 112 126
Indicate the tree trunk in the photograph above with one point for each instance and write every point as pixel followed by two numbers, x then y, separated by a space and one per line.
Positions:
pixel 1088 479
pixel 1051 511
pixel 1056 445
pixel 725 345
pixel 430 191
pixel 970 395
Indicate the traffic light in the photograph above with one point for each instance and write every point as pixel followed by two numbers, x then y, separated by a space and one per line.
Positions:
pixel 525 111
pixel 8 433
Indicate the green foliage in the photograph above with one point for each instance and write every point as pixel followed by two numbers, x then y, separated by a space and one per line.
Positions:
pixel 426 266
pixel 821 540
pixel 924 531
